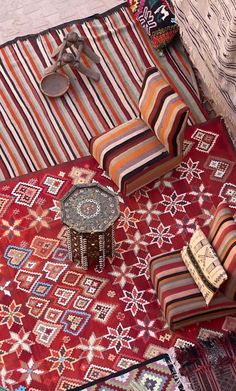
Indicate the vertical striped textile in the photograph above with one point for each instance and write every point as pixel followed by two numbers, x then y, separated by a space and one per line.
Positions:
pixel 38 132
pixel 223 238
pixel 163 110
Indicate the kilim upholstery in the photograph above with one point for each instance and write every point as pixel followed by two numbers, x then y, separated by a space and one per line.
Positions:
pixel 132 155
pixel 181 301
pixel 145 148
pixel 163 110
pixel 223 238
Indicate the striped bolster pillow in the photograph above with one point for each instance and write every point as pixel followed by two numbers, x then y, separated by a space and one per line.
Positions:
pixel 163 110
pixel 223 238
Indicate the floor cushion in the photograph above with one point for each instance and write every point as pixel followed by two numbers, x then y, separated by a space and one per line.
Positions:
pixel 132 155
pixel 223 238
pixel 181 301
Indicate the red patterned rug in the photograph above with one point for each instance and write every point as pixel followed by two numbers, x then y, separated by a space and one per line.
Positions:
pixel 62 327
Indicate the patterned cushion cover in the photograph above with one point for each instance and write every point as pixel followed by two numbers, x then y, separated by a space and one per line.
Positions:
pixel 132 155
pixel 181 301
pixel 163 110
pixel 157 18
pixel 222 236
pixel 203 265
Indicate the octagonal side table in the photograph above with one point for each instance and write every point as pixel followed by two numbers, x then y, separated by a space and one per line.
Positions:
pixel 90 211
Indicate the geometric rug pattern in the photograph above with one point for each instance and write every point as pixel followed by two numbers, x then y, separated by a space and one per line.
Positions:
pixel 156 374
pixel 62 327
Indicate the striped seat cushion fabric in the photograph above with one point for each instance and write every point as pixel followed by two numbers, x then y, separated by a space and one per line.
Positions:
pixel 132 155
pixel 222 236
pixel 181 301
pixel 163 110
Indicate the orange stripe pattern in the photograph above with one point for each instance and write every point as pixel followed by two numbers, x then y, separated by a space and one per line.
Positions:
pixel 163 110
pixel 223 237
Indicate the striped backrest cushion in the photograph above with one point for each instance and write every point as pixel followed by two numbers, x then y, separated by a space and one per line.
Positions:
pixel 223 239
pixel 163 110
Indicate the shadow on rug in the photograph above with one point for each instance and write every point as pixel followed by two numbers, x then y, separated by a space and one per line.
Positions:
pixel 156 374
pixel 210 365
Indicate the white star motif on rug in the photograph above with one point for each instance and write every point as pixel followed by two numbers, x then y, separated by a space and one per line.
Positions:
pixel 134 300
pixel 122 274
pixel 189 170
pixel 174 203
pixel 119 338
pixel 91 348
pixel 150 212
pixel 160 235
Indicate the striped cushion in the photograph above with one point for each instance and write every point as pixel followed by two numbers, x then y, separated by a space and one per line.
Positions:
pixel 181 301
pixel 132 155
pixel 163 110
pixel 223 238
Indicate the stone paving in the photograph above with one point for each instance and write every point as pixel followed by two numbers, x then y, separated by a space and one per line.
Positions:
pixel 22 17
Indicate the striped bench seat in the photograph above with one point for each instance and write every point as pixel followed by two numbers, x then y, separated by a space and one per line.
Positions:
pixel 132 155
pixel 145 148
pixel 181 301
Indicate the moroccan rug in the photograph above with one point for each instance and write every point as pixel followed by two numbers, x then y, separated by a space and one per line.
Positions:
pixel 62 327
pixel 156 374
pixel 210 365
pixel 38 132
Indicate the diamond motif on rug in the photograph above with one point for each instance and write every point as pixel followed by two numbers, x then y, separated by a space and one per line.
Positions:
pixel 37 306
pixel 46 332
pixel 221 168
pixel 75 321
pixel 60 254
pixel 95 372
pixel 228 193
pixel 53 315
pixel 41 288
pixel 63 296
pixel 26 279
pixel 81 303
pixel 43 247
pixel 81 175
pixel 92 285
pixel 71 278
pixel 102 311
pixel 206 140
pixel 53 185
pixel 17 256
pixel 26 193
